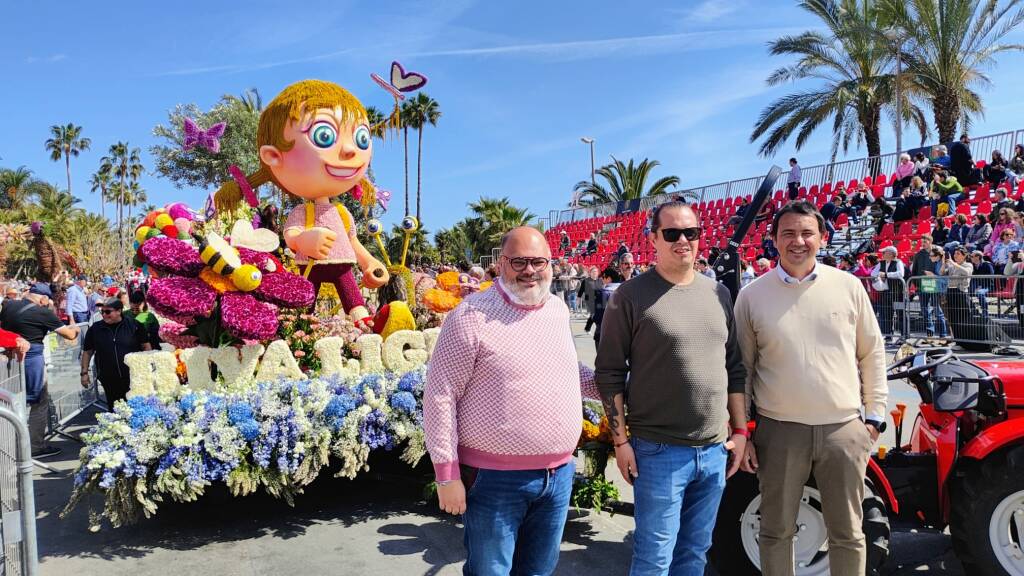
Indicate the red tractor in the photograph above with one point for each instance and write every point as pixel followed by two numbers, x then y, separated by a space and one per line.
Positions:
pixel 963 467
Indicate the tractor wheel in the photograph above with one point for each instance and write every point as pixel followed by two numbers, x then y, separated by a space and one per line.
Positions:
pixel 735 549
pixel 987 517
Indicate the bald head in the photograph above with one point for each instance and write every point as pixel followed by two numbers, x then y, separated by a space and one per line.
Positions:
pixel 526 265
pixel 525 241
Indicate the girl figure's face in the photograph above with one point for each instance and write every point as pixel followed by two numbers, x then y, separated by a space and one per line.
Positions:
pixel 328 159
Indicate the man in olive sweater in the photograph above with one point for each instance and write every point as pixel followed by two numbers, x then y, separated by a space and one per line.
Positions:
pixel 668 365
pixel 814 357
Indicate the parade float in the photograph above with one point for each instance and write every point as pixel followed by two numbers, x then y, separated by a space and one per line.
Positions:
pixel 287 347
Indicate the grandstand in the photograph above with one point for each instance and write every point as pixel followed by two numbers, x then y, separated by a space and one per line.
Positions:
pixel 626 222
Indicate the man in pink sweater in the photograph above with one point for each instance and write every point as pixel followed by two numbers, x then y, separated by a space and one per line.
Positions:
pixel 502 414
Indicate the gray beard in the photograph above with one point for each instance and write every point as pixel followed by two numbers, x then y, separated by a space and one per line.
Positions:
pixel 527 296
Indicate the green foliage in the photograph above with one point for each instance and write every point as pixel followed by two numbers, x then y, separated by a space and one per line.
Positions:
pixel 949 46
pixel 594 493
pixel 482 232
pixel 854 64
pixel 624 182
pixel 199 167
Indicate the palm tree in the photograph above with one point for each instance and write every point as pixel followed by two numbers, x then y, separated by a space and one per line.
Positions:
pixel 498 216
pixel 854 62
pixel 407 118
pixel 625 182
pixel 100 182
pixel 57 207
pixel 376 119
pixel 125 165
pixel 950 43
pixel 425 110
pixel 67 141
pixel 134 196
pixel 16 185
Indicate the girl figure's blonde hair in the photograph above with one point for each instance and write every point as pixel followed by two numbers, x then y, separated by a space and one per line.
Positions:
pixel 293 104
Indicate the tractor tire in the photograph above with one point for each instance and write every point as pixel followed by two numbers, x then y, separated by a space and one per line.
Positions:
pixel 986 516
pixel 735 531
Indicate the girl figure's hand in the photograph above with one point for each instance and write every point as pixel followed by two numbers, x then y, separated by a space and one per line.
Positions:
pixel 375 274
pixel 315 242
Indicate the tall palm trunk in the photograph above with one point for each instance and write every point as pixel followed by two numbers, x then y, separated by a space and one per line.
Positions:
pixel 947 115
pixel 103 201
pixel 67 168
pixel 405 138
pixel 419 172
pixel 871 121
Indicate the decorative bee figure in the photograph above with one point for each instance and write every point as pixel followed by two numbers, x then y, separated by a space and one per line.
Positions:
pixel 223 259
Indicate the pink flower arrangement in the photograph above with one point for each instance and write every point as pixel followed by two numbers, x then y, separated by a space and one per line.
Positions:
pixel 182 296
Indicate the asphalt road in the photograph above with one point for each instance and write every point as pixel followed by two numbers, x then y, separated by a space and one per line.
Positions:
pixel 374 524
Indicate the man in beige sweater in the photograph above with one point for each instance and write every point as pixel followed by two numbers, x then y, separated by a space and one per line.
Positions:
pixel 814 357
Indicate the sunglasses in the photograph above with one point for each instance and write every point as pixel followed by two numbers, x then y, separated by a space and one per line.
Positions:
pixel 107 311
pixel 673 234
pixel 520 263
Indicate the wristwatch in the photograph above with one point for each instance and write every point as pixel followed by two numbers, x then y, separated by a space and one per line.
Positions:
pixel 880 426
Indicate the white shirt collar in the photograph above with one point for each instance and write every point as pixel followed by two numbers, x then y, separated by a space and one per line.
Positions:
pixel 785 277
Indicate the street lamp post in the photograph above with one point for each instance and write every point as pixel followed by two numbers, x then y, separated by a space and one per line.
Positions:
pixel 590 141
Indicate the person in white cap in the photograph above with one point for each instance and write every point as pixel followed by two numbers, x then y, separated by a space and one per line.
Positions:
pixel 888 277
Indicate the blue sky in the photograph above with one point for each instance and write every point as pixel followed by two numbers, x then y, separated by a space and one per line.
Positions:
pixel 518 84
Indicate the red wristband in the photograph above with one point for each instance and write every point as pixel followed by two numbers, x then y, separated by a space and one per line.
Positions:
pixel 745 432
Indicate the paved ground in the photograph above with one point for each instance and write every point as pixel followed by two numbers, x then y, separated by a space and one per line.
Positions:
pixel 343 527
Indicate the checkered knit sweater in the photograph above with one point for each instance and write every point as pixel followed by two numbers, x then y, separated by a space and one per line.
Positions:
pixel 503 389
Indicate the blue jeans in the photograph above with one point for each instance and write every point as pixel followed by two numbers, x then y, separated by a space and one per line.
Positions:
pixel 35 370
pixel 514 520
pixel 572 300
pixel 929 301
pixel 80 317
pixel 676 494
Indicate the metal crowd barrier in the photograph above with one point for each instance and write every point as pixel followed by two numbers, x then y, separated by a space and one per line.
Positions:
pixel 63 380
pixel 889 304
pixel 18 546
pixel 988 313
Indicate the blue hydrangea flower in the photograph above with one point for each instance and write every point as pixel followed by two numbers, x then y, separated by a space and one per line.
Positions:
pixel 410 381
pixel 374 431
pixel 404 401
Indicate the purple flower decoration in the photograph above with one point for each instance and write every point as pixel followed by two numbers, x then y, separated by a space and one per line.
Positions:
pixel 171 256
pixel 180 296
pixel 185 298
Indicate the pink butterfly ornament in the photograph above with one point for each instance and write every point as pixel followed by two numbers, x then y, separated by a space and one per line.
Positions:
pixel 383 198
pixel 209 138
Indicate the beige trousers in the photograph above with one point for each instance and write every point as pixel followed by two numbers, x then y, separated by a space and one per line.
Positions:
pixel 837 454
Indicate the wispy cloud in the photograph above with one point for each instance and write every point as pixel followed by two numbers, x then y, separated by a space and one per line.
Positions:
pixel 236 68
pixel 622 46
pixel 713 10
pixel 46 59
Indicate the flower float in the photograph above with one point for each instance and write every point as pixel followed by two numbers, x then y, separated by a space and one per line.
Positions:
pixel 208 300
pixel 451 288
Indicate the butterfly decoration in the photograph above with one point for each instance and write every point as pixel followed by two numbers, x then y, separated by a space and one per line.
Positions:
pixel 383 198
pixel 209 138
pixel 401 81
pixel 256 239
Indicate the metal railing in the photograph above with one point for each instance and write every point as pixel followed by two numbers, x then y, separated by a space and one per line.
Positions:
pixel 846 170
pixel 63 380
pixel 889 301
pixel 988 313
pixel 18 545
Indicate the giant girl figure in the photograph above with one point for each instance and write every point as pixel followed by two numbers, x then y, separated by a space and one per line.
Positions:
pixel 314 143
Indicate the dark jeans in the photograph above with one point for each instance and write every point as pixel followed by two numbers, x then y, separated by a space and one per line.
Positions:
pixel 676 493
pixel 114 389
pixel 886 310
pixel 514 520
pixel 794 190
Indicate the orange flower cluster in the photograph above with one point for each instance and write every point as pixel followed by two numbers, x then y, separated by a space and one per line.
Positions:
pixel 592 433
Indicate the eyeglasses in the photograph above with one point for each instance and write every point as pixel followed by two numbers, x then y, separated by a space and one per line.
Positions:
pixel 107 311
pixel 673 234
pixel 520 263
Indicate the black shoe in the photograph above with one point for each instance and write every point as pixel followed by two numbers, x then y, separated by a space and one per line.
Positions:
pixel 46 451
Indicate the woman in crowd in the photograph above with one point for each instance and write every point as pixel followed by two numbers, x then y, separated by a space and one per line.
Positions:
pixel 984 282
pixel 998 169
pixel 948 190
pixel 1017 162
pixel 921 166
pixel 958 305
pixel 931 289
pixel 980 232
pixel 747 273
pixel 1002 249
pixel 940 234
pixel 888 278
pixel 1003 220
pixel 904 172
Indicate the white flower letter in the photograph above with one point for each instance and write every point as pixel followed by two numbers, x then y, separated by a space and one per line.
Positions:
pixel 278 361
pixel 235 364
pixel 369 353
pixel 397 358
pixel 197 364
pixel 153 372
pixel 331 360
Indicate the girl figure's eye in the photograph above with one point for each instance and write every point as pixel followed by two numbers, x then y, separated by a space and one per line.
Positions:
pixel 323 135
pixel 362 137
